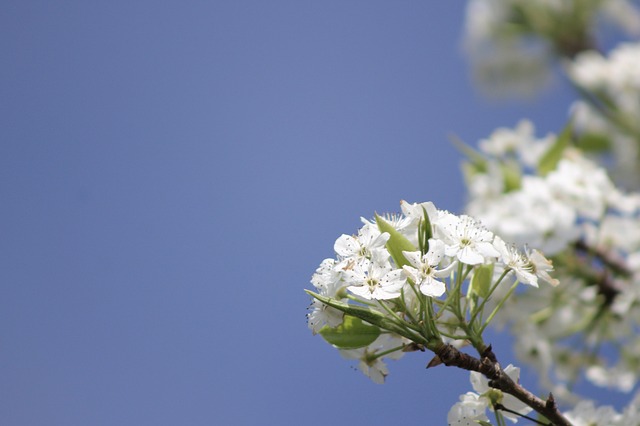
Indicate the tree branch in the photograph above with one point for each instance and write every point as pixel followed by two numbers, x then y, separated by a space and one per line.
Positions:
pixel 488 366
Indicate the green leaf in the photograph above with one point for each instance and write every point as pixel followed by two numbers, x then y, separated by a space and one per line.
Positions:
pixel 372 317
pixel 351 334
pixel 594 142
pixel 425 232
pixel 481 281
pixel 397 242
pixel 552 157
pixel 477 162
pixel 512 177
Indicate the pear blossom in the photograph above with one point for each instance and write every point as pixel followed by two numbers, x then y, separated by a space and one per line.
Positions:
pixel 327 280
pixel 541 266
pixel 544 194
pixel 614 84
pixel 516 261
pixel 373 281
pixel 424 273
pixel 466 239
pixel 505 141
pixel 371 364
pixel 614 378
pixel 407 226
pixel 481 385
pixel 631 414
pixel 512 43
pixel 415 211
pixel 528 266
pixel 468 411
pixel 580 184
pixel 585 413
pixel 368 244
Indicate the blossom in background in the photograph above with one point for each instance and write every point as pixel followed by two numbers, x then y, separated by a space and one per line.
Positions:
pixel 543 192
pixel 618 377
pixel 611 112
pixel 574 204
pixel 512 43
pixel 585 413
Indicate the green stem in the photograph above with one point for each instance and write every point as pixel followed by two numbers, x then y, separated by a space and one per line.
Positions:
pixel 397 320
pixel 430 319
pixel 480 308
pixel 497 308
pixel 456 290
pixel 454 337
pixel 381 354
pixel 503 408
pixel 406 310
pixel 499 417
pixel 426 328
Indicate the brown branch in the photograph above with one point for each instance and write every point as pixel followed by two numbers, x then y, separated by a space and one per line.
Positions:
pixel 611 265
pixel 615 263
pixel 488 366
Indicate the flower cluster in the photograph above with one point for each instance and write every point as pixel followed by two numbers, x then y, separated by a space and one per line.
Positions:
pixel 427 279
pixel 547 193
pixel 607 116
pixel 512 42
pixel 410 269
pixel 586 413
pixel 543 192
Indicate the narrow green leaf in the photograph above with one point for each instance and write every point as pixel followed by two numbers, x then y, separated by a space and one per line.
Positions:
pixel 477 162
pixel 481 281
pixel 512 177
pixel 397 242
pixel 351 334
pixel 425 232
pixel 552 157
pixel 594 142
pixel 372 317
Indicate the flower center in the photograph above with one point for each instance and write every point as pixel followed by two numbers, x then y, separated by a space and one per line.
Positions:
pixel 426 270
pixel 372 283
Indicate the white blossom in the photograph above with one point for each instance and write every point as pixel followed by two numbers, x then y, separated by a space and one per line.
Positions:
pixel 368 244
pixel 585 413
pixel 371 364
pixel 481 386
pixel 466 239
pixel 327 280
pixel 468 411
pixel 424 273
pixel 374 281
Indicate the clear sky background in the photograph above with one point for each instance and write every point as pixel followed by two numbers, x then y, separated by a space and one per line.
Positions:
pixel 172 173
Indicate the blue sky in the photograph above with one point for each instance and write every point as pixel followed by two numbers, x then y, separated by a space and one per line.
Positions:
pixel 171 175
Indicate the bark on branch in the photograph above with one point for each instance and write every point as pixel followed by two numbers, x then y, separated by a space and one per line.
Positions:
pixel 488 366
